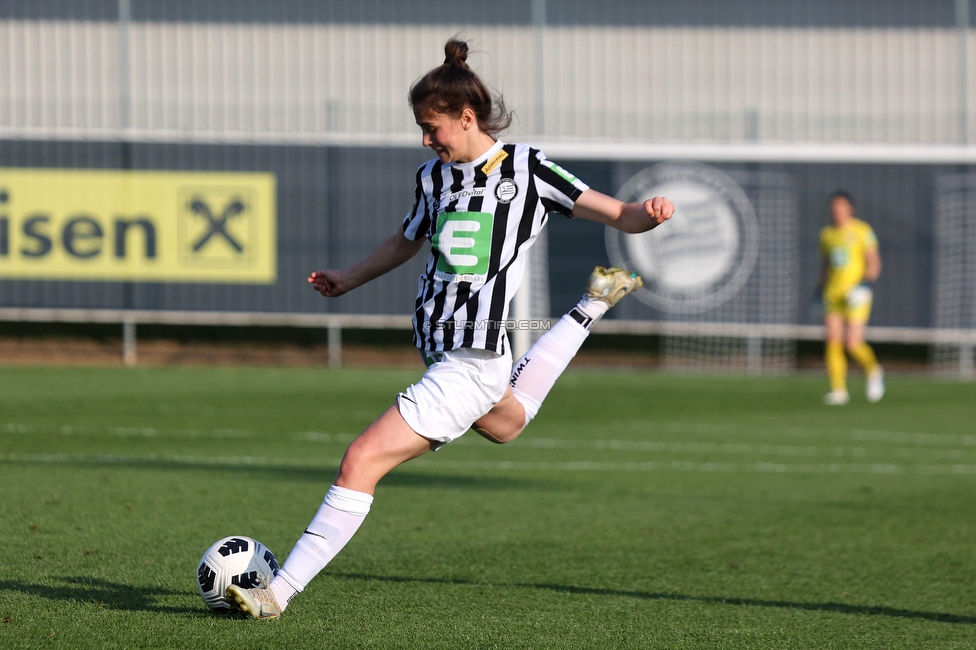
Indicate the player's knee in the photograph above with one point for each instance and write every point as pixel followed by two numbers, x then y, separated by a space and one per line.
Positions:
pixel 358 456
pixel 835 337
pixel 350 464
pixel 496 436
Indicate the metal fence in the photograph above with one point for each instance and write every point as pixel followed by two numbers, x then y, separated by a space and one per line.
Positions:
pixel 872 71
pixel 874 96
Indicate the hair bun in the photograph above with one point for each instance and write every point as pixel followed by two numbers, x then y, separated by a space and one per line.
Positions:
pixel 456 53
pixel 452 87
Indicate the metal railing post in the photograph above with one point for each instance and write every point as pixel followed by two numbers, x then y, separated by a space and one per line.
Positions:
pixel 754 354
pixel 966 368
pixel 129 341
pixel 335 344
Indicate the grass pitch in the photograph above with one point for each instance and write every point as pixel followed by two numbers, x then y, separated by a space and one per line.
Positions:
pixel 639 510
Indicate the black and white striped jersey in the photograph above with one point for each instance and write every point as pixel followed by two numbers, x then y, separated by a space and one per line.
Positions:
pixel 481 218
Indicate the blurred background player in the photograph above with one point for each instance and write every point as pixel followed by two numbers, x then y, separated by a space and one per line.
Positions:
pixel 851 263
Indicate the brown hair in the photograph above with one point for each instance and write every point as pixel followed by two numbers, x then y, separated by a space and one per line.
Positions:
pixel 452 86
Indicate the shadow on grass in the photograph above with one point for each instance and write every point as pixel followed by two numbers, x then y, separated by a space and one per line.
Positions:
pixel 111 595
pixel 302 473
pixel 841 608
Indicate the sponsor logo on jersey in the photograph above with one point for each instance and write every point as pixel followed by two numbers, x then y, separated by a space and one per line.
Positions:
pixel 839 257
pixel 506 190
pixel 704 255
pixel 494 161
pixel 562 172
pixel 463 240
pixel 465 194
pixel 465 277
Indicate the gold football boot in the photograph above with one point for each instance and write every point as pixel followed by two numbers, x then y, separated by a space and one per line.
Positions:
pixel 612 284
pixel 256 603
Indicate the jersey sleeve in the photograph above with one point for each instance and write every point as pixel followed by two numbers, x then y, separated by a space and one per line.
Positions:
pixel 822 246
pixel 416 225
pixel 557 188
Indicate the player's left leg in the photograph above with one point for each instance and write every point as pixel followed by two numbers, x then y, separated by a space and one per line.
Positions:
pixel 458 387
pixel 835 360
pixel 386 443
pixel 534 375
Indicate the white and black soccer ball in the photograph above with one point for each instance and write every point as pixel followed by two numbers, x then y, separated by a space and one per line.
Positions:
pixel 236 560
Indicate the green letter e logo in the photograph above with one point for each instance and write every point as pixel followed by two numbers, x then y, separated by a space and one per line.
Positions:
pixel 464 242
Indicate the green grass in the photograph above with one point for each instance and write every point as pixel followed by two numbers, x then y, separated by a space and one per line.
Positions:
pixel 639 510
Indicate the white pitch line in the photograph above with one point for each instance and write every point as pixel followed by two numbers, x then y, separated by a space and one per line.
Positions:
pixel 581 466
pixel 596 444
pixel 866 435
pixel 149 459
pixel 707 467
pixel 153 432
pixel 694 428
pixel 677 447
pixel 321 436
pixel 137 432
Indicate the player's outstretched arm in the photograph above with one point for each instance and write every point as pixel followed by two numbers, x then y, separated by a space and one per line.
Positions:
pixel 390 254
pixel 873 270
pixel 626 217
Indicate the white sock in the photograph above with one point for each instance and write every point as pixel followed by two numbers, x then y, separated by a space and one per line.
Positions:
pixel 534 375
pixel 589 308
pixel 337 520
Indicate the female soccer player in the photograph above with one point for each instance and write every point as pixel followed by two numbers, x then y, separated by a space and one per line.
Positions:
pixel 481 203
pixel 851 262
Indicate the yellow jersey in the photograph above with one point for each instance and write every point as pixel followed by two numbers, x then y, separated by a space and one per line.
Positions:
pixel 845 250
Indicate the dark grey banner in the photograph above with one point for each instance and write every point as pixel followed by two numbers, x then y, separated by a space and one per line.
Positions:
pixel 334 205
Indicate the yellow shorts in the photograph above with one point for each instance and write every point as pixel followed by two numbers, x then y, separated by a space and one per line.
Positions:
pixel 854 305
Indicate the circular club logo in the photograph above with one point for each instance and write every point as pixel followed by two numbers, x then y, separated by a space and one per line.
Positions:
pixel 506 190
pixel 704 254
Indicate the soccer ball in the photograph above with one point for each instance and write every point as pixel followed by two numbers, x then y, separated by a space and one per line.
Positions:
pixel 234 560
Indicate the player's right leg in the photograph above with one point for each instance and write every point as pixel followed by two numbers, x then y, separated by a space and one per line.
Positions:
pixel 534 375
pixel 861 352
pixel 835 359
pixel 504 422
pixel 386 443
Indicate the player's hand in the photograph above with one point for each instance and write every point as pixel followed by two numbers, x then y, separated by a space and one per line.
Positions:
pixel 327 282
pixel 659 209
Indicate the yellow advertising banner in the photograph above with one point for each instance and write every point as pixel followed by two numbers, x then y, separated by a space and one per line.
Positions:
pixel 71 224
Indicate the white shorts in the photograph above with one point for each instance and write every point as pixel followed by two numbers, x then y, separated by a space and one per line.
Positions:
pixel 460 387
